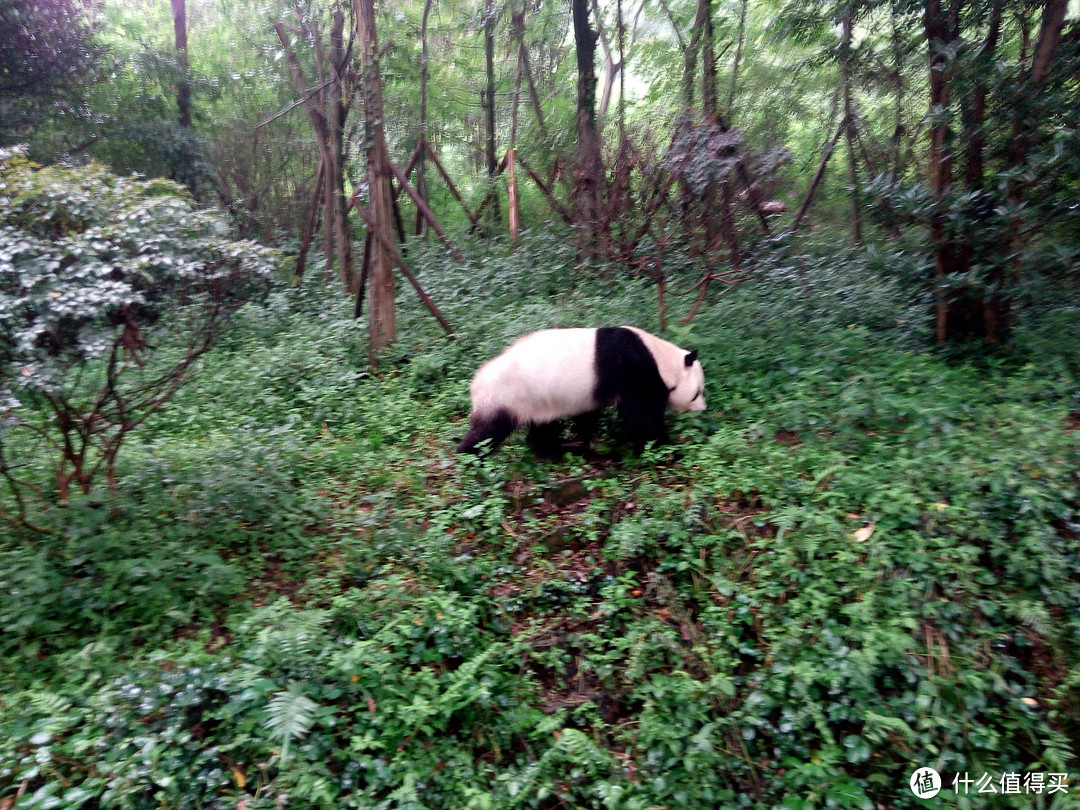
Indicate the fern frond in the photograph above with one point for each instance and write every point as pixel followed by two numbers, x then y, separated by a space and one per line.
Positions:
pixel 290 715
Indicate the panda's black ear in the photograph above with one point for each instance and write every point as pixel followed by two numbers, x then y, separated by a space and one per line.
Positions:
pixel 691 357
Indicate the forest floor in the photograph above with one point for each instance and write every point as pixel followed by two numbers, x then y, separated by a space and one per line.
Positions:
pixel 862 560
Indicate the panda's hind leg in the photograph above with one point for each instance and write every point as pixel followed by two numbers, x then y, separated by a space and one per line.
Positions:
pixel 494 425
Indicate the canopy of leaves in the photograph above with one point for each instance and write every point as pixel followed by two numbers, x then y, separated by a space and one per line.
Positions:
pixel 46 47
pixel 43 44
pixel 89 261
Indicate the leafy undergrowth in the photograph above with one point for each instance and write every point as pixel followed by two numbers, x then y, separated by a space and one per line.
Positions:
pixel 860 560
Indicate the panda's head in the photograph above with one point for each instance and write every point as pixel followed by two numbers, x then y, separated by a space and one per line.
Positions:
pixel 688 394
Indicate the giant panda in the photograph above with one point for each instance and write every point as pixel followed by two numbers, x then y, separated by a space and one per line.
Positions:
pixel 559 373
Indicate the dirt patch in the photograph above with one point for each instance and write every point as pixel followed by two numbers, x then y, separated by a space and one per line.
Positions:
pixel 788 438
pixel 741 513
pixel 273 582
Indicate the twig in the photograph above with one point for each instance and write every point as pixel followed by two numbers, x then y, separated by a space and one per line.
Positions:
pixel 302 100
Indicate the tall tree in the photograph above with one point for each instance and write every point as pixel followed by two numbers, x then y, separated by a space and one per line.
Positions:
pixel 382 316
pixel 183 82
pixel 518 27
pixel 421 159
pixel 488 97
pixel 688 48
pixel 338 102
pixel 615 56
pixel 327 108
pixel 946 258
pixel 588 170
pixel 1027 125
pixel 708 60
pixel 972 278
pixel 851 134
pixel 973 108
pixel 740 40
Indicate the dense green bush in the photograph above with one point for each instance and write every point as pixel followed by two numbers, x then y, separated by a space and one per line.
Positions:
pixel 110 289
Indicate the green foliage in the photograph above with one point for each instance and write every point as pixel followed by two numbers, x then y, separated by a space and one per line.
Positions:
pixel 46 50
pixel 110 288
pixel 861 559
pixel 290 715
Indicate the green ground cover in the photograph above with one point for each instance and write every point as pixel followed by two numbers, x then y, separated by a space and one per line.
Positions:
pixel 863 558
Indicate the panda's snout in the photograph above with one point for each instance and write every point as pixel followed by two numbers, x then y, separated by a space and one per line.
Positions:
pixel 696 404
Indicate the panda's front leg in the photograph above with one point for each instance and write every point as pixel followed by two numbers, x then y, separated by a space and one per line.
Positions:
pixel 645 422
pixel 585 426
pixel 546 439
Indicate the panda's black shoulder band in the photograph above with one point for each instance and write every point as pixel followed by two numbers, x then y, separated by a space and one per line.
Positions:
pixel 625 368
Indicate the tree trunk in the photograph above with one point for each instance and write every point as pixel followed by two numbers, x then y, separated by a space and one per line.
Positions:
pixel 317 115
pixel 948 260
pixel 421 178
pixel 689 52
pixel 849 129
pixel 708 61
pixel 622 64
pixel 338 112
pixel 518 22
pixel 738 59
pixel 311 221
pixel 1053 21
pixel 690 49
pixel 710 111
pixel 328 229
pixel 489 106
pixel 974 111
pixel 898 115
pixel 818 176
pixel 689 65
pixel 382 317
pixel 512 195
pixel 612 68
pixel 425 211
pixel 997 313
pixel 328 126
pixel 183 85
pixel 588 173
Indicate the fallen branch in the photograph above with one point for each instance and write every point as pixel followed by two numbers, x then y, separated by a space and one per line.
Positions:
pixel 560 209
pixel 409 166
pixel 450 183
pixel 820 173
pixel 392 249
pixel 426 211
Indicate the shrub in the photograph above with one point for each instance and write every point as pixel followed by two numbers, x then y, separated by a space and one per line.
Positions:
pixel 110 288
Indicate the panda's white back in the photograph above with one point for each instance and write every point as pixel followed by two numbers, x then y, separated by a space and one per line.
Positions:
pixel 541 377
